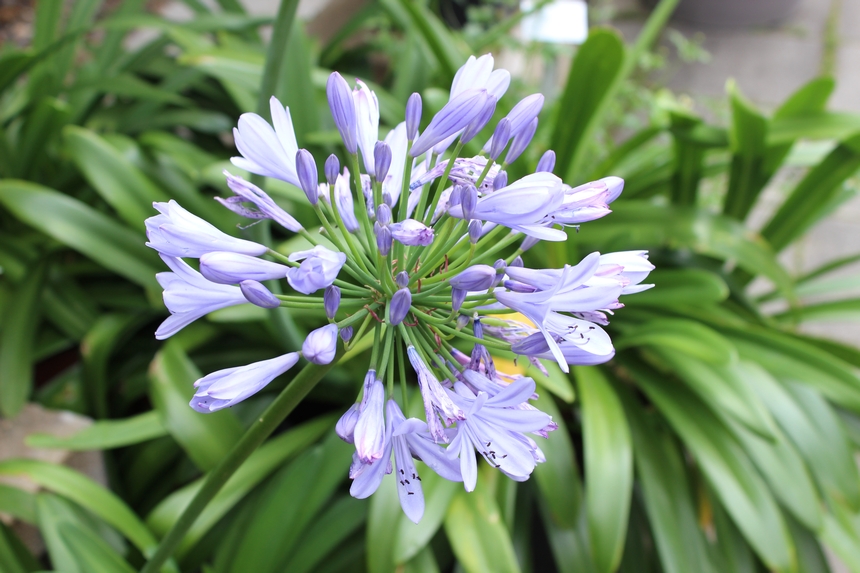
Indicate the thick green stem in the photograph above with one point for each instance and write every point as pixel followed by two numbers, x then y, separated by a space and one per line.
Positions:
pixel 262 427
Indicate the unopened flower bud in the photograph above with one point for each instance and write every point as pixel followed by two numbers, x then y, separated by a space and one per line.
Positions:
pixel 547 162
pixel 521 141
pixel 258 294
pixel 346 333
pixel 400 303
pixel 383 215
pixel 413 116
pixel 383 239
pixel 342 110
pixel 321 345
pixel 454 116
pixel 476 277
pixel 382 160
pixel 232 268
pixel 345 427
pixel 517 262
pixel 500 138
pixel 402 279
pixel 386 198
pixel 468 200
pixel 500 181
pixel 462 321
pixel 306 168
pixel 332 169
pixel 475 230
pixel 456 196
pixel 331 300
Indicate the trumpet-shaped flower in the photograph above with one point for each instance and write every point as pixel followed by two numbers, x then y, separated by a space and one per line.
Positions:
pixel 320 267
pixel 266 151
pixel 228 387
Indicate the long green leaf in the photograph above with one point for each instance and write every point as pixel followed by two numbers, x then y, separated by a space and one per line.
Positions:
pixel 85 492
pixel 94 555
pixel 804 206
pixel 748 136
pixel 667 492
pixel 82 228
pixel 597 64
pixel 326 534
pixel 728 468
pixel 205 438
pixel 106 434
pixel 258 466
pixel 20 321
pixel 673 286
pixel 687 336
pixel 558 478
pixel 477 533
pixel 608 451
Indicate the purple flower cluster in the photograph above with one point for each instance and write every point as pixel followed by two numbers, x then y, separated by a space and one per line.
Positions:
pixel 408 259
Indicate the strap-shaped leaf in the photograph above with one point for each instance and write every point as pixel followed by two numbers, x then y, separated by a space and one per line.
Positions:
pixel 82 228
pixel 748 135
pixel 106 434
pixel 608 451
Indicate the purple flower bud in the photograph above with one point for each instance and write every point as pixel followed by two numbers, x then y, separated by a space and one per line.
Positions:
pixel 477 329
pixel 321 345
pixel 615 185
pixel 457 298
pixel 308 176
pixel 232 268
pixel 499 140
pixel 468 200
pixel 521 141
pixel 500 181
pixel 476 277
pixel 547 162
pixel 342 110
pixel 345 204
pixel 230 386
pixel 475 230
pixel 456 115
pixel 332 169
pixel 383 215
pixel 400 303
pixel 386 198
pixel 479 122
pixel 528 243
pixel 462 322
pixel 331 300
pixel 345 427
pixel 370 429
pixel 412 233
pixel 402 279
pixel 382 160
pixel 258 294
pixel 456 196
pixel 346 333
pixel 517 262
pixel 521 115
pixel 413 116
pixel 500 265
pixel 383 239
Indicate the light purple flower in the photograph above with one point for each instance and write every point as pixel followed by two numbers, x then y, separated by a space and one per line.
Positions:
pixel 522 206
pixel 320 267
pixel 188 296
pixel 332 168
pixel 479 122
pixel 178 233
pixel 522 114
pixel 535 346
pixel 520 141
pixel 266 151
pixel 547 162
pixel 320 346
pixel 369 431
pixel 494 427
pixel 228 387
pixel 479 73
pixel 258 295
pixel 306 168
pixel 434 397
pixel 393 182
pixel 629 268
pixel 267 208
pixel 232 268
pixel 407 439
pixel 343 198
pixel 451 119
pixel 412 233
pixel 367 122
pixel 382 160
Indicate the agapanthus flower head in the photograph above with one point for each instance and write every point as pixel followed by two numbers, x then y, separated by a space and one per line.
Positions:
pixel 429 263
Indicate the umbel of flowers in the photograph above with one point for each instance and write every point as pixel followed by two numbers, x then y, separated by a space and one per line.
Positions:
pixel 409 257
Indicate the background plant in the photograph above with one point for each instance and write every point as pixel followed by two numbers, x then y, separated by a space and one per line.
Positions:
pixel 720 438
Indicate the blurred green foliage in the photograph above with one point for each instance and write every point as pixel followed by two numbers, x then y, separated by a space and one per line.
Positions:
pixel 719 439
